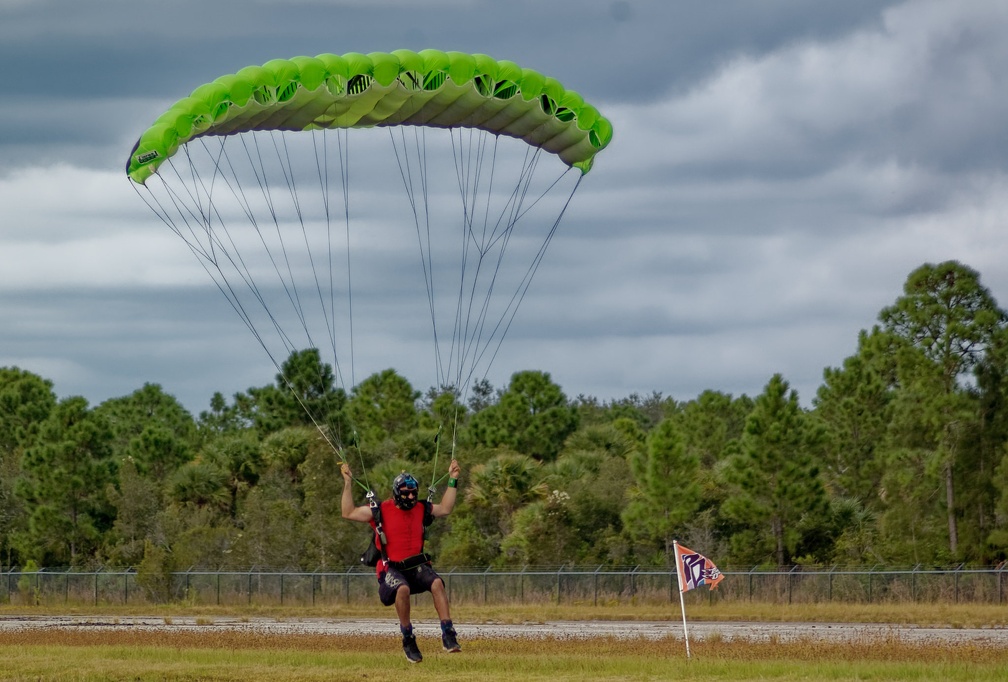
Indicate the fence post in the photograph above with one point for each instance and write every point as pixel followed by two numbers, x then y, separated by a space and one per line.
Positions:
pixel 750 581
pixel 829 589
pixel 790 583
pixel 95 587
pixel 558 583
pixel 1000 574
pixel 485 579
pixel 522 583
pixel 595 579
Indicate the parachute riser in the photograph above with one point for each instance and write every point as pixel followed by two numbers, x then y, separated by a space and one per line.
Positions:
pixel 365 484
pixel 437 448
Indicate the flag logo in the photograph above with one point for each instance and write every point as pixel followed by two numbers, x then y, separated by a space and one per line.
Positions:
pixel 695 569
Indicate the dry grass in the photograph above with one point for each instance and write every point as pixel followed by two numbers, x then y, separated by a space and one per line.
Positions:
pixel 210 652
pixel 219 654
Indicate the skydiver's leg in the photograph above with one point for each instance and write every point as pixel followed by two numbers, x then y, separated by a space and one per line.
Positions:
pixel 435 584
pixel 402 605
pixel 440 596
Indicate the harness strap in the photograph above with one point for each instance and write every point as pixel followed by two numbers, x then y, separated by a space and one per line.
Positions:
pixel 379 529
pixel 411 562
pixel 428 519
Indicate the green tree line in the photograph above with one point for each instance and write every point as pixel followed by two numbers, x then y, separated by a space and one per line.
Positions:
pixel 900 460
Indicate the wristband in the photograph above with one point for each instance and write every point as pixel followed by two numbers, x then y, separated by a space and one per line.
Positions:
pixel 452 482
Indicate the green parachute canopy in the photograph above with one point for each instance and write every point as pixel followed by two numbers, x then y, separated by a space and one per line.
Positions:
pixel 335 259
pixel 427 88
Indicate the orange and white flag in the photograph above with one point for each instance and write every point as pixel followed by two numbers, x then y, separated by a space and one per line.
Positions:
pixel 695 569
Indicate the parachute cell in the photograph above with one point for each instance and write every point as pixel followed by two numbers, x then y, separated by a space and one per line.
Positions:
pixel 429 88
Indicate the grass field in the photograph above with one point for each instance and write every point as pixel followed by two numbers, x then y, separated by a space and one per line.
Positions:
pixel 219 654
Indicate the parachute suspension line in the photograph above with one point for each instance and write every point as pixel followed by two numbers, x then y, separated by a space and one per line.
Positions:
pixel 329 432
pixel 222 283
pixel 194 246
pixel 288 172
pixel 290 284
pixel 469 331
pixel 518 296
pixel 465 173
pixel 530 273
pixel 416 183
pixel 468 157
pixel 329 313
pixel 343 149
pixel 464 247
pixel 193 208
pixel 159 209
pixel 449 377
pixel 469 166
pixel 208 256
pixel 260 172
pixel 236 259
pixel 470 153
pixel 205 219
pixel 472 337
pixel 292 291
pixel 406 175
pixel 518 209
pixel 239 194
pixel 420 134
pixel 422 222
pixel 322 167
pixel 420 139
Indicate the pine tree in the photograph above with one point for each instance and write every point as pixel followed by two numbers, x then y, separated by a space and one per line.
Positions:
pixel 775 480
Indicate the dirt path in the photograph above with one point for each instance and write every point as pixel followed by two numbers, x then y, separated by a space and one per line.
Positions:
pixel 557 629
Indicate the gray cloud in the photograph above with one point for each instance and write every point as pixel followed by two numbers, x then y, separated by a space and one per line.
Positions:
pixel 778 169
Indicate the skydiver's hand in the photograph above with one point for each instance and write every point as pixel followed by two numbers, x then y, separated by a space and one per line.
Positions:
pixel 347 474
pixel 454 470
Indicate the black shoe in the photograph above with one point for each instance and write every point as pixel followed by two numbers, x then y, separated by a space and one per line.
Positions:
pixel 451 644
pixel 411 650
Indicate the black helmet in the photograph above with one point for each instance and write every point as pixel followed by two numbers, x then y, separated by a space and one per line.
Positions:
pixel 404 484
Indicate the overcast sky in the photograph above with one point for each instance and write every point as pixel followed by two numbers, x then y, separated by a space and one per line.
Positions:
pixel 777 170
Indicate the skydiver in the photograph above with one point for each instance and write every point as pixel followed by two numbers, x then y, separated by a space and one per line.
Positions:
pixel 407 570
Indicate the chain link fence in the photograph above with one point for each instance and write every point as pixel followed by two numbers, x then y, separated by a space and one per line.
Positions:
pixel 487 586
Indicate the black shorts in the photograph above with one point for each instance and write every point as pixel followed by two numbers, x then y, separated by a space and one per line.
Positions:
pixel 418 579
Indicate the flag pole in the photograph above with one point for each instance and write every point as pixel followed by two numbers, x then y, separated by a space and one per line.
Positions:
pixel 682 601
